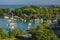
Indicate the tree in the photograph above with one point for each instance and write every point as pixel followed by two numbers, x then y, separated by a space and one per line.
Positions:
pixel 43 33
pixel 14 32
pixel 1 12
pixel 18 12
pixel 7 10
pixel 2 34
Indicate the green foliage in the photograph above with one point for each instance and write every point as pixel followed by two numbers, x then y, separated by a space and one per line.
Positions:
pixel 18 12
pixel 35 12
pixel 51 12
pixel 15 32
pixel 44 34
pixel 1 12
pixel 12 33
pixel 7 10
pixel 32 12
pixel 46 25
pixel 2 34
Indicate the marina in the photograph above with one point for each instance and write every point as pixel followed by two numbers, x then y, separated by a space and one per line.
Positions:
pixel 20 25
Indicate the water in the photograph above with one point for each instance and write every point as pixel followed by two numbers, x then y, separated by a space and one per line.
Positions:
pixel 20 25
pixel 11 6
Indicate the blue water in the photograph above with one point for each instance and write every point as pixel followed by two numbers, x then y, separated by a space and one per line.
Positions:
pixel 20 25
pixel 11 6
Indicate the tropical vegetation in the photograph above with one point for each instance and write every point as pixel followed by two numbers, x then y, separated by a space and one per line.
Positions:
pixel 42 32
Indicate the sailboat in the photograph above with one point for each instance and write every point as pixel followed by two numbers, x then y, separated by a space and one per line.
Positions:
pixel 12 25
pixel 29 26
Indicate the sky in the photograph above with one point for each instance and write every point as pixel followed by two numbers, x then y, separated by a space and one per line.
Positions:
pixel 30 2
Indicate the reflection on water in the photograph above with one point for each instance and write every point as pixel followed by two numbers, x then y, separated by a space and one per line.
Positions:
pixel 20 25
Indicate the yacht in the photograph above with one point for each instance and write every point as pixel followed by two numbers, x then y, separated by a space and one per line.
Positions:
pixel 9 20
pixel 12 25
pixel 6 17
pixel 29 26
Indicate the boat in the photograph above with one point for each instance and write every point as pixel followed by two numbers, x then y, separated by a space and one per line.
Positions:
pixel 37 20
pixel 24 20
pixel 29 26
pixel 41 20
pixel 9 20
pixel 31 20
pixel 15 19
pixel 12 25
pixel 55 20
pixel 6 17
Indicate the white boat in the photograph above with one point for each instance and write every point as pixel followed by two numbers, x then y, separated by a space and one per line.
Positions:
pixel 41 20
pixel 11 25
pixel 55 20
pixel 29 26
pixel 24 20
pixel 15 19
pixel 9 20
pixel 37 20
pixel 31 20
pixel 6 17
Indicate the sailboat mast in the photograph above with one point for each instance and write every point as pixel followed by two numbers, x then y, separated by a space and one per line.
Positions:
pixel 12 17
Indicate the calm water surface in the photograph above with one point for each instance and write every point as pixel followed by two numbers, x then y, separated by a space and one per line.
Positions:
pixel 12 7
pixel 20 25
